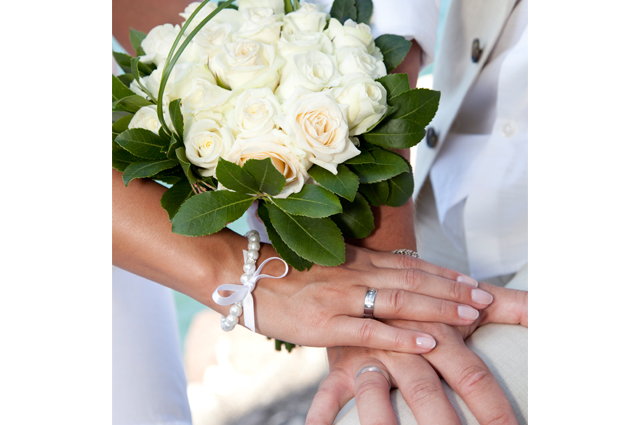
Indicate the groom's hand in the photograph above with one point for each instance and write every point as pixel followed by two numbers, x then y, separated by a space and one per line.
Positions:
pixel 462 369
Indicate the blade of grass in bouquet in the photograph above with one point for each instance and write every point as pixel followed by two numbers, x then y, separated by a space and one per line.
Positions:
pixel 172 60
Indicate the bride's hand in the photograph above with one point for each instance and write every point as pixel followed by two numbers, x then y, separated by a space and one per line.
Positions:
pixel 324 306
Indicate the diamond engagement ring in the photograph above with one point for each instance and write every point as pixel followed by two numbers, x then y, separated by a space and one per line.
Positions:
pixel 368 304
pixel 374 369
pixel 406 252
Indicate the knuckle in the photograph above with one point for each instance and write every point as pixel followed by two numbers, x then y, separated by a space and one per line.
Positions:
pixel 473 378
pixel 424 391
pixel 456 291
pixel 366 332
pixel 411 280
pixel 367 388
pixel 397 301
pixel 404 261
pixel 502 419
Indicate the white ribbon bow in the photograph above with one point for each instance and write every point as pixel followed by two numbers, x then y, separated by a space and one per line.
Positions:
pixel 244 292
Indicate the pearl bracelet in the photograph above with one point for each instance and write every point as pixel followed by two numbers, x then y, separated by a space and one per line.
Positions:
pixel 229 322
pixel 241 299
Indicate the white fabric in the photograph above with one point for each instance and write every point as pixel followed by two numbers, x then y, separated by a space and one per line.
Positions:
pixel 484 160
pixel 149 384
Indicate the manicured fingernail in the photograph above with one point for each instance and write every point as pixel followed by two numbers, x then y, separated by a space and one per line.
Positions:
pixel 468 280
pixel 481 297
pixel 468 313
pixel 426 342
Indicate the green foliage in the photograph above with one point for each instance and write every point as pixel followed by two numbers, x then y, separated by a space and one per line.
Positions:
pixel 126 79
pixel 140 170
pixel 396 134
pixel 356 221
pixel 344 183
pixel 376 193
pixel 394 84
pixel 142 143
pixel 123 60
pixel 209 212
pixel 287 254
pixel 121 125
pixel 180 153
pixel 344 10
pixel 172 147
pixel 174 197
pixel 119 90
pixel 121 158
pixel 387 164
pixel 394 49
pixel 176 117
pixel 136 72
pixel 269 179
pixel 364 157
pixel 130 104
pixel 311 201
pixel 418 105
pixel 401 188
pixel 136 38
pixel 315 239
pixel 235 178
pixel 364 11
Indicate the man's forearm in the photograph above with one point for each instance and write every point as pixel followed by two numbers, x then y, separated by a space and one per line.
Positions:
pixel 394 226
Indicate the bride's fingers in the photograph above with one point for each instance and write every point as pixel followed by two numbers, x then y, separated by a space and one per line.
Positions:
pixel 332 395
pixel 509 307
pixel 370 333
pixel 400 304
pixel 395 261
pixel 372 395
pixel 434 286
pixel 421 388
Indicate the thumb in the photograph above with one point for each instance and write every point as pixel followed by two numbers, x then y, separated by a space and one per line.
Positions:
pixel 509 306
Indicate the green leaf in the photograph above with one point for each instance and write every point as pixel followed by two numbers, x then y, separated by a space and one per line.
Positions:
pixel 376 193
pixel 170 180
pixel 344 10
pixel 311 201
pixel 394 49
pixel 287 6
pixel 235 178
pixel 364 11
pixel 364 157
pixel 287 254
pixel 123 60
pixel 269 179
pixel 143 143
pixel 394 84
pixel 136 38
pixel 344 183
pixel 172 146
pixel 130 104
pixel 119 90
pixel 180 152
pixel 356 221
pixel 174 197
pixel 121 158
pixel 121 125
pixel 126 79
pixel 388 164
pixel 396 134
pixel 417 105
pixel 176 117
pixel 209 212
pixel 315 239
pixel 141 170
pixel 401 188
pixel 118 115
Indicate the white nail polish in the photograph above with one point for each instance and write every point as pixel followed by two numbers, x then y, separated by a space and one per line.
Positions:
pixel 467 280
pixel 426 342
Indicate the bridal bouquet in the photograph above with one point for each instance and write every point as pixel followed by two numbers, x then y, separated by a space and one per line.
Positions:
pixel 275 102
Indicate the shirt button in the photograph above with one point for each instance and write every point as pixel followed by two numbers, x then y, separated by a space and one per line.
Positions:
pixel 508 129
pixel 431 137
pixel 476 50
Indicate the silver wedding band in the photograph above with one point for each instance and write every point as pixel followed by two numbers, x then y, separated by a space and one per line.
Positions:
pixel 368 303
pixel 374 369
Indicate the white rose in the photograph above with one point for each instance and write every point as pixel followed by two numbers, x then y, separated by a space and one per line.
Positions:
pixel 284 156
pixel 255 112
pixel 318 125
pixel 203 95
pixel 302 42
pixel 158 43
pixel 225 16
pixel 206 141
pixel 179 81
pixel 247 64
pixel 353 60
pixel 350 34
pixel 366 101
pixel 312 70
pixel 146 118
pixel 260 24
pixel 208 41
pixel 276 5
pixel 306 18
